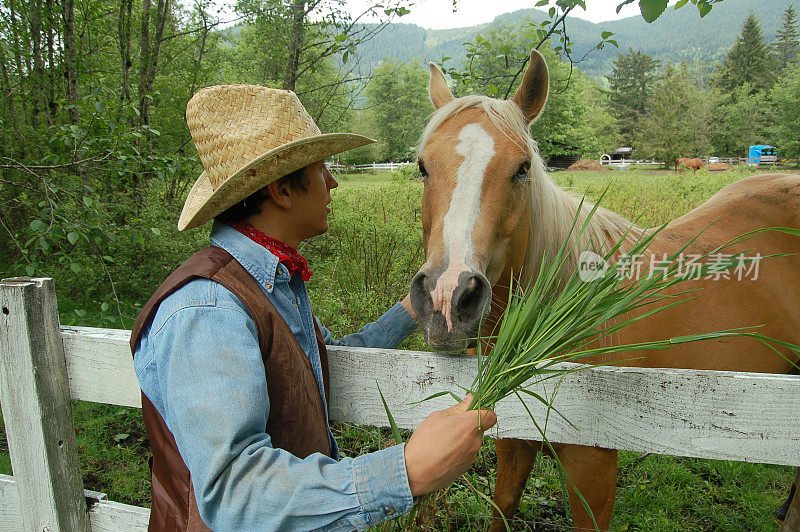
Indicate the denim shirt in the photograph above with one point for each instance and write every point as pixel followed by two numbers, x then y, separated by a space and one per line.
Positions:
pixel 199 363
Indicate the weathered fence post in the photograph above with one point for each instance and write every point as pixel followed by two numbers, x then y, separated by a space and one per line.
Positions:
pixel 34 392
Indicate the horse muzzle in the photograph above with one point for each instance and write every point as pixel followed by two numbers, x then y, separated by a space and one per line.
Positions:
pixel 450 318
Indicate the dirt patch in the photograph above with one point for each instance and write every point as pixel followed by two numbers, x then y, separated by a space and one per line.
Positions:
pixel 719 167
pixel 591 165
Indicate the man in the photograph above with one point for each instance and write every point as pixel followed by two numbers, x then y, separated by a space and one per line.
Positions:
pixel 232 363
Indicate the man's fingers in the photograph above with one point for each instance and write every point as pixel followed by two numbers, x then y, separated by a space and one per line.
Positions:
pixel 488 419
pixel 484 419
pixel 463 406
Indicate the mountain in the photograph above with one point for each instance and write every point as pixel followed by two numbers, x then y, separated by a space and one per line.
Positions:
pixel 676 36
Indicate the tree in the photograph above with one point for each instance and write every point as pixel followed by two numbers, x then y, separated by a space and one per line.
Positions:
pixel 786 107
pixel 398 107
pixel 739 120
pixel 631 84
pixel 677 122
pixel 306 46
pixel 569 123
pixel 748 61
pixel 787 40
pixel 70 61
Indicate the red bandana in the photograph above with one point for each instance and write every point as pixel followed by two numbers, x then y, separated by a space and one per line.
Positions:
pixel 286 254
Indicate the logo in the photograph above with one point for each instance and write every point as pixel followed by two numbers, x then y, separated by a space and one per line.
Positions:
pixel 591 266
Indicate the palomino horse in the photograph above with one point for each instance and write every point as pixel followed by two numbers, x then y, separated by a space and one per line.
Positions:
pixel 489 209
pixel 683 162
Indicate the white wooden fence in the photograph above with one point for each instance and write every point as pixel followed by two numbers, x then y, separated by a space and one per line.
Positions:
pixel 361 168
pixel 706 414
pixel 605 160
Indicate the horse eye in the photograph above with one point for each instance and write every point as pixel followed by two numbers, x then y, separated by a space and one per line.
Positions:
pixel 522 171
pixel 422 169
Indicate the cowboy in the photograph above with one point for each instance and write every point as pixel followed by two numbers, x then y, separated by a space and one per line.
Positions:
pixel 233 365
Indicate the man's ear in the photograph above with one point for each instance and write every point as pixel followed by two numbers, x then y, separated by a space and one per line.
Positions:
pixel 280 194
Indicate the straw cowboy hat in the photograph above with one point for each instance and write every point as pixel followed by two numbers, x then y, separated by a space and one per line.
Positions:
pixel 248 136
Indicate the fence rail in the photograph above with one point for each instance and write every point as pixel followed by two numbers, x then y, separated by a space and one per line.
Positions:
pixel 706 414
pixel 361 168
pixel 627 162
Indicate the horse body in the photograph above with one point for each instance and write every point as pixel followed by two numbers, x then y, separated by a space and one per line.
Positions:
pixel 770 300
pixel 490 210
pixel 694 164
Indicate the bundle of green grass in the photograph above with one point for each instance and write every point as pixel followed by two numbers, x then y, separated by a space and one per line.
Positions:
pixel 561 317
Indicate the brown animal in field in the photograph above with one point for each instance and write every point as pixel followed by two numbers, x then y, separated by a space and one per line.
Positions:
pixel 489 210
pixel 683 162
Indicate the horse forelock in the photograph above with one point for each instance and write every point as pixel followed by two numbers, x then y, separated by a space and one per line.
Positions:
pixel 504 115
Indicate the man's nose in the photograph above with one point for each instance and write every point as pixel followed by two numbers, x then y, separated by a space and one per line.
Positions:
pixel 330 181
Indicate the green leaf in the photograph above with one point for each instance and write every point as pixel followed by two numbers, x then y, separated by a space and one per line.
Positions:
pixel 156 231
pixel 30 270
pixel 80 312
pixel 120 437
pixel 680 3
pixel 38 226
pixel 100 106
pixel 104 307
pixel 541 3
pixel 45 244
pixel 623 4
pixel 704 7
pixel 75 267
pixel 395 431
pixel 72 237
pixel 606 34
pixel 87 201
pixel 344 57
pixel 652 9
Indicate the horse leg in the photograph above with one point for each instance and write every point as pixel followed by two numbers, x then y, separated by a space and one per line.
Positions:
pixel 514 463
pixel 792 521
pixel 593 471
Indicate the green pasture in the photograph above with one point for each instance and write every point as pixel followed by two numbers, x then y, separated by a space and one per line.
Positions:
pixel 362 266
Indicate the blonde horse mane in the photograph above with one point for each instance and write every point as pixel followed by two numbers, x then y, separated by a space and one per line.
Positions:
pixel 552 208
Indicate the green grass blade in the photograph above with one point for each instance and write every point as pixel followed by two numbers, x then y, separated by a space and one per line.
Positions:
pixel 395 431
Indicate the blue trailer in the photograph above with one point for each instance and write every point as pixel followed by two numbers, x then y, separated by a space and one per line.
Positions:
pixel 762 154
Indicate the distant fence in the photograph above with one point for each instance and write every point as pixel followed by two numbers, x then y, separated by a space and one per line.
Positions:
pixel 766 160
pixel 627 162
pixel 361 168
pixel 706 414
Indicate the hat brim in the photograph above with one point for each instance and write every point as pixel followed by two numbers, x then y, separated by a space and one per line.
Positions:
pixel 204 202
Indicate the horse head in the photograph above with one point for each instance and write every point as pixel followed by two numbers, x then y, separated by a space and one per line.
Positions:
pixel 476 157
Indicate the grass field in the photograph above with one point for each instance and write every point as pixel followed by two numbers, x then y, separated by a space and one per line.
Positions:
pixel 362 266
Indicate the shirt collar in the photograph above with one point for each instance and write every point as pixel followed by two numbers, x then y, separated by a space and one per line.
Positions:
pixel 256 259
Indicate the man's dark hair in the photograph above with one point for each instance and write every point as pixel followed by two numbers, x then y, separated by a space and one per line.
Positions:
pixel 252 204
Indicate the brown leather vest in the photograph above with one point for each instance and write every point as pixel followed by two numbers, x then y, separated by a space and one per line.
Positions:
pixel 296 419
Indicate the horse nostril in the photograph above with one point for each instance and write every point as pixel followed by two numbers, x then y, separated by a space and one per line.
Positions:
pixel 419 294
pixel 475 295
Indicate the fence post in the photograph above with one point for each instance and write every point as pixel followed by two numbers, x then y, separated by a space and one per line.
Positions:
pixel 34 392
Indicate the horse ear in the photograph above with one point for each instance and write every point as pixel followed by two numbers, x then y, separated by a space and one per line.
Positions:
pixel 437 87
pixel 532 92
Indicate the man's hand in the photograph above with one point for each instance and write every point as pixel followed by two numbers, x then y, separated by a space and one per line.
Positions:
pixel 444 446
pixel 407 304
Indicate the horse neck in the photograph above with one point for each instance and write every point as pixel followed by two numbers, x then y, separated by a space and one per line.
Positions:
pixel 552 212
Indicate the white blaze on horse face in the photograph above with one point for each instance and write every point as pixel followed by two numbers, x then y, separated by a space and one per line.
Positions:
pixel 477 148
